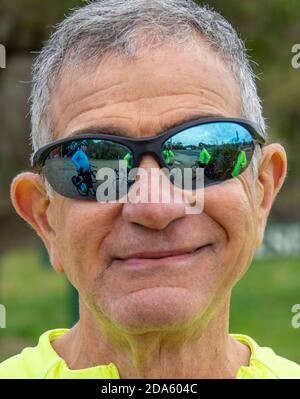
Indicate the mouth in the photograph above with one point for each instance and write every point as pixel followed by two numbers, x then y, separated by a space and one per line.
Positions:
pixel 160 258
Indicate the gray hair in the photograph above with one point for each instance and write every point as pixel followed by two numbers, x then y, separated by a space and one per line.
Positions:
pixel 122 27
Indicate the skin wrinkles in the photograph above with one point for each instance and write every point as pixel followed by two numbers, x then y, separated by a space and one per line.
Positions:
pixel 91 91
pixel 232 91
pixel 152 322
pixel 112 128
pixel 76 118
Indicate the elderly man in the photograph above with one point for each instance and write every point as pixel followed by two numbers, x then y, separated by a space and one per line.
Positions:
pixel 154 281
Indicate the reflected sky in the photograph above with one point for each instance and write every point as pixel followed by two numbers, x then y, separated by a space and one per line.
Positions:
pixel 213 133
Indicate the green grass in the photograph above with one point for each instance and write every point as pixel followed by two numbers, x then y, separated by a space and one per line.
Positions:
pixel 38 299
pixel 262 302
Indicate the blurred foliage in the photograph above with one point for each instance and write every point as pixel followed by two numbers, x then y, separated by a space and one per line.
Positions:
pixel 262 305
pixel 35 299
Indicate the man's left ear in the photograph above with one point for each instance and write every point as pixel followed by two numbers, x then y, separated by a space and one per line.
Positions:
pixel 271 175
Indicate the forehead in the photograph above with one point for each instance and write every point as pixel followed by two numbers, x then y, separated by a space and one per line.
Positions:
pixel 146 91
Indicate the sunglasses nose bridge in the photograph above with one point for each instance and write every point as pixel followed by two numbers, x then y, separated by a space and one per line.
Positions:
pixel 149 160
pixel 152 149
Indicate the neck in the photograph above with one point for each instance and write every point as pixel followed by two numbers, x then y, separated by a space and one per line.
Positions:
pixel 202 351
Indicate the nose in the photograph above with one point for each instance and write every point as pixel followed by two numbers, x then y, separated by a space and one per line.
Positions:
pixel 152 201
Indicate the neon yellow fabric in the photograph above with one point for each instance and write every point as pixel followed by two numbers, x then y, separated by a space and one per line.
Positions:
pixel 240 163
pixel 43 362
pixel 169 155
pixel 128 159
pixel 204 156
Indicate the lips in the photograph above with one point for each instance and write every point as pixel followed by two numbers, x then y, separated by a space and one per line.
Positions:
pixel 161 254
pixel 159 258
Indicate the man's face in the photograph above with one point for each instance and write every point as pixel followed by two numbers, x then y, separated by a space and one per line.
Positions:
pixel 103 247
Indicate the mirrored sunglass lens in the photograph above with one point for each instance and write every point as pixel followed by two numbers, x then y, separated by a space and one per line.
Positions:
pixel 89 169
pixel 221 150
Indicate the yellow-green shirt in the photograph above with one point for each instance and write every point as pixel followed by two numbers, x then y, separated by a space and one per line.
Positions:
pixel 240 163
pixel 43 362
pixel 204 156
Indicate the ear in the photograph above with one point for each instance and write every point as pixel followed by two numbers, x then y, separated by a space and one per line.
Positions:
pixel 271 176
pixel 30 200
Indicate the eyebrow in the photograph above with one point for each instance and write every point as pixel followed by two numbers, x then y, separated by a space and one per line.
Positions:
pixel 113 130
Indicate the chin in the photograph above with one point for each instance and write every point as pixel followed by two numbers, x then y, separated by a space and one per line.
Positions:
pixel 153 309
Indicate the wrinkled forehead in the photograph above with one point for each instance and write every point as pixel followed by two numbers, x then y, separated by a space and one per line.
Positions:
pixel 153 84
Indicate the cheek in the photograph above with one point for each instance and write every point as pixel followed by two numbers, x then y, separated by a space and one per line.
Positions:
pixel 231 206
pixel 82 229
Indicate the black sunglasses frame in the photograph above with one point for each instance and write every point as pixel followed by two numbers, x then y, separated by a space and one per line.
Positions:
pixel 140 146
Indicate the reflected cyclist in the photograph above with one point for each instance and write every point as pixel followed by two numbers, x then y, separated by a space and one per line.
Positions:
pixel 204 156
pixel 82 164
pixel 168 155
pixel 128 159
pixel 241 162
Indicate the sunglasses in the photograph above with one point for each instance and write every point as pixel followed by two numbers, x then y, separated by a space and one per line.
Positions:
pixel 222 148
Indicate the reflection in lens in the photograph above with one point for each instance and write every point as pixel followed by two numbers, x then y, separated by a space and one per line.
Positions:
pixel 222 149
pixel 71 168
